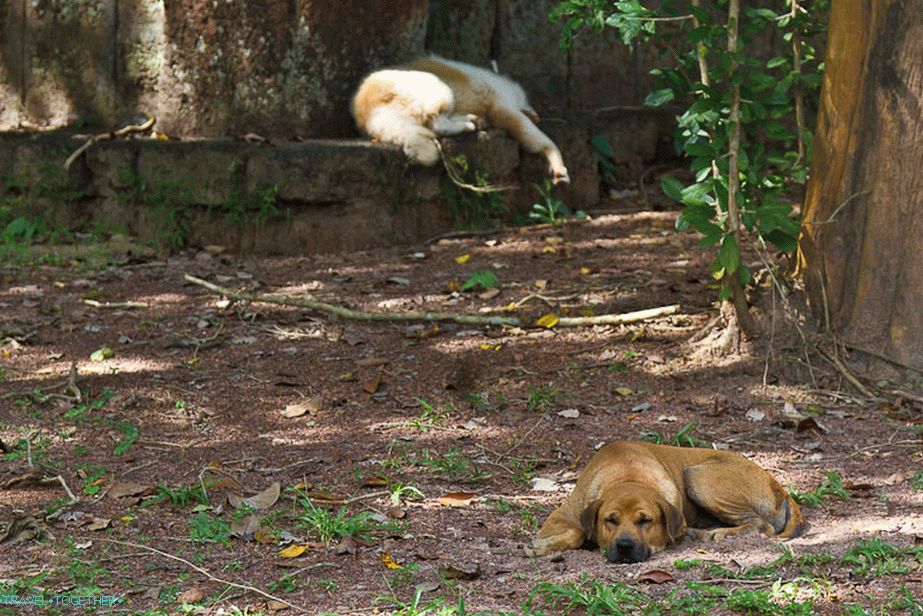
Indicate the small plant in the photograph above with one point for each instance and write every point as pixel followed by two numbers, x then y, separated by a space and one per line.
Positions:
pixel 471 209
pixel 484 279
pixel 481 401
pixel 93 478
pixel 178 497
pixel 543 398
pixel 832 486
pixel 286 583
pixel 205 529
pixel 917 481
pixel 686 565
pixel 682 438
pixel 430 417
pixel 551 210
pixel 589 597
pixel 877 557
pixel 762 602
pixel 80 412
pixel 400 492
pixel 452 464
pixel 327 527
pixel 131 434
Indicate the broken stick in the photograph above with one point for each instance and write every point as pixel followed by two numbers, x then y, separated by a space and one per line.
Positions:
pixel 347 313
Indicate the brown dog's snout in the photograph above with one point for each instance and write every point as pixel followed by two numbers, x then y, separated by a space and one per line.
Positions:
pixel 626 550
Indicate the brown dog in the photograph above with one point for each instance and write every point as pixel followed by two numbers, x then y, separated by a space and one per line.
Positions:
pixel 634 499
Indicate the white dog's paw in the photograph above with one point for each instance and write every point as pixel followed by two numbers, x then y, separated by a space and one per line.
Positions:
pixel 560 176
pixel 423 152
pixel 472 122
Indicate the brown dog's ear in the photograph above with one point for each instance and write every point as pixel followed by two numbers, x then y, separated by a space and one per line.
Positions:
pixel 588 519
pixel 672 519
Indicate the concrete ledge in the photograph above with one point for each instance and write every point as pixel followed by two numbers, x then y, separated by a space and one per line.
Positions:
pixel 286 198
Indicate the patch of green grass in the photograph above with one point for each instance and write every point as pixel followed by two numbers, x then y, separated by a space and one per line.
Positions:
pixel 550 210
pixel 431 417
pixel 832 486
pixel 481 401
pixel 875 557
pixel 452 464
pixel 586 597
pixel 206 529
pixel 543 398
pixel 328 527
pixel 686 565
pixel 417 607
pixel 91 474
pixel 130 434
pixel 917 481
pixel 763 603
pixel 286 583
pixel 79 412
pixel 682 438
pixel 178 497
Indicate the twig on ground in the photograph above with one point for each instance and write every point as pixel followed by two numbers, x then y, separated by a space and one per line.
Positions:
pixel 456 178
pixel 213 578
pixel 115 305
pixel 522 438
pixel 837 363
pixel 347 313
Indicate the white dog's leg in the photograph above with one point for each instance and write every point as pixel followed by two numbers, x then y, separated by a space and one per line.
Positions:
pixel 532 139
pixel 455 124
pixel 394 126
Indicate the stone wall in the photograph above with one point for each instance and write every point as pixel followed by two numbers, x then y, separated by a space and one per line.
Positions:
pixel 284 69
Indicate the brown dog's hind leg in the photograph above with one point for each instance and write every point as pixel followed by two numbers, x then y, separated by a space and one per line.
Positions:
pixel 558 533
pixel 744 497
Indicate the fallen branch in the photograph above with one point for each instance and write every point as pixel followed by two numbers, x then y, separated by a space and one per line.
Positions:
pixel 347 313
pixel 243 587
pixel 115 305
pixel 125 130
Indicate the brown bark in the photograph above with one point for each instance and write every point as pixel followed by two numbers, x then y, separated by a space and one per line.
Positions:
pixel 861 250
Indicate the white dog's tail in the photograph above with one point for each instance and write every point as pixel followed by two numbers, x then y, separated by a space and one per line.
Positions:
pixel 393 126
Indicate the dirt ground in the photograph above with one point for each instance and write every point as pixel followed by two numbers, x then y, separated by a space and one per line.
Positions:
pixel 381 420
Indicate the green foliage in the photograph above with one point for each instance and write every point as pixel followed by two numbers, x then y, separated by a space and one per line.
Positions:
pixel 178 497
pixel 769 160
pixel 917 481
pixel 682 438
pixel 551 210
pixel 205 529
pixel 485 279
pixel 543 398
pixel 472 209
pixel 877 557
pixel 327 526
pixel 832 486
pixel 430 417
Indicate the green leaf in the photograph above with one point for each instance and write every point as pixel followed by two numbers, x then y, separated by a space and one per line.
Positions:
pixel 729 254
pixel 482 278
pixel 782 240
pixel 744 275
pixel 601 145
pixel 672 187
pixel 659 97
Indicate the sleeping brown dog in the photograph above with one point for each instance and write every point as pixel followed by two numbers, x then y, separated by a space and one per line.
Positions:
pixel 634 499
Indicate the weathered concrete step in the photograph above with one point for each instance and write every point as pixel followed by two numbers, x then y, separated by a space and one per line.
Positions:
pixel 290 198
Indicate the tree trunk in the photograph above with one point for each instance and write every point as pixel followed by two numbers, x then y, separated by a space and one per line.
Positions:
pixel 861 248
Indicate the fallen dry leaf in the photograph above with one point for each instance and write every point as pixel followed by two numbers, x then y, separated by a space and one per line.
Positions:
pixel 389 561
pixel 263 500
pixel 456 499
pixel 655 576
pixel 460 571
pixel 99 524
pixel 276 606
pixel 548 321
pixel 191 595
pixel 246 527
pixel 310 405
pixel 347 545
pixel 371 386
pixel 293 551
pixel 121 489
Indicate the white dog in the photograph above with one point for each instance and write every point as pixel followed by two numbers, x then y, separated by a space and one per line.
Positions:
pixel 411 105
